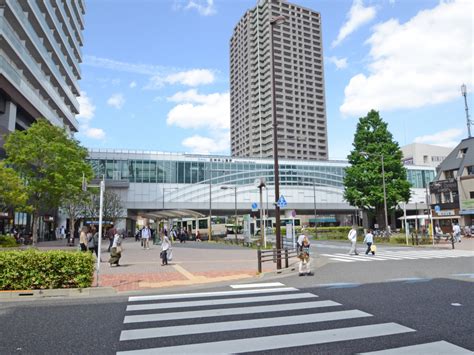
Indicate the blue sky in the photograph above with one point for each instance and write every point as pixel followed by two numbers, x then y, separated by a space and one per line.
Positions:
pixel 155 74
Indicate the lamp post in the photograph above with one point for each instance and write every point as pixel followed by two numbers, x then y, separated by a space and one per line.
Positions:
pixel 383 184
pixel 468 120
pixel 235 204
pixel 315 215
pixel 273 22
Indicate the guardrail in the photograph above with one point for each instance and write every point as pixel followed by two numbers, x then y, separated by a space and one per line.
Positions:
pixel 274 255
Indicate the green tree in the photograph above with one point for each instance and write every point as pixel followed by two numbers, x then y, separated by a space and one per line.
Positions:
pixel 51 163
pixel 363 179
pixel 12 191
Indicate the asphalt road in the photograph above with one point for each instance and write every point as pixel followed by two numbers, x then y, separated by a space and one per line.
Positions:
pixel 372 305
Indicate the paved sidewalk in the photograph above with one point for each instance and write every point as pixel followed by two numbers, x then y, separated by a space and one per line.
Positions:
pixel 193 263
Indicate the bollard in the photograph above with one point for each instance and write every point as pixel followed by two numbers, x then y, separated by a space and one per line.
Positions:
pixel 259 260
pixel 286 258
pixel 452 241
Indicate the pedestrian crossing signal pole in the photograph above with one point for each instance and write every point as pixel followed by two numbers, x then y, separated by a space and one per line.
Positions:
pixel 101 209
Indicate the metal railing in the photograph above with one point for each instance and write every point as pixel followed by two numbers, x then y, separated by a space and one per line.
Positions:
pixel 274 255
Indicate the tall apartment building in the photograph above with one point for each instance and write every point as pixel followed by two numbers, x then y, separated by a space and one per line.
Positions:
pixel 40 52
pixel 299 83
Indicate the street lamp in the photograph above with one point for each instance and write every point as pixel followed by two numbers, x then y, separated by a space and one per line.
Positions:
pixel 235 203
pixel 383 183
pixel 274 22
pixel 469 121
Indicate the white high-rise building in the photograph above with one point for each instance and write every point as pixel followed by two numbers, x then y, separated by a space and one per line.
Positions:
pixel 299 83
pixel 40 53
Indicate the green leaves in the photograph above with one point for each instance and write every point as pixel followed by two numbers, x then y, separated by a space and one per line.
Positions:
pixel 13 193
pixel 364 179
pixel 33 269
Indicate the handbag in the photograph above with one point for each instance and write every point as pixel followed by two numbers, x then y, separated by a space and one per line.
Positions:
pixel 170 254
pixel 373 248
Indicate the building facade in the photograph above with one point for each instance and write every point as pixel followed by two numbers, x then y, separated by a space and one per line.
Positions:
pixel 156 185
pixel 299 83
pixel 40 53
pixel 452 191
pixel 424 154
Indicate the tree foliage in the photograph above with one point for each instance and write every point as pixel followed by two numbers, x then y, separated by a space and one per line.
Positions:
pixel 13 193
pixel 50 162
pixel 363 179
pixel 112 209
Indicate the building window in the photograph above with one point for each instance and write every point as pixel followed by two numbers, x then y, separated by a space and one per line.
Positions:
pixel 470 170
pixel 449 174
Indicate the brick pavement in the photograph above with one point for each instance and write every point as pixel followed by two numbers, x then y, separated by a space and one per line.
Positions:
pixel 193 263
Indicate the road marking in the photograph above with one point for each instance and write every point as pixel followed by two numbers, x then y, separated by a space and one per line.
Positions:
pixel 339 285
pixel 435 348
pixel 471 276
pixel 279 341
pixel 155 317
pixel 268 284
pixel 241 324
pixel 344 260
pixel 410 279
pixel 184 272
pixel 187 304
pixel 209 294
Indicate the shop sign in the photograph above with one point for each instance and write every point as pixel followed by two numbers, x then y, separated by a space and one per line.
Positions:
pixel 446 213
pixel 48 218
pixel 4 214
pixel 467 204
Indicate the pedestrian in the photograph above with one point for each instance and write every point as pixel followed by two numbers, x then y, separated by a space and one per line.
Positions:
pixel 305 262
pixel 146 235
pixel 110 235
pixel 438 232
pixel 165 249
pixel 467 231
pixel 198 236
pixel 299 241
pixel 456 232
pixel 62 232
pixel 90 240
pixel 116 250
pixel 369 240
pixel 352 236
pixel 83 238
pixel 137 235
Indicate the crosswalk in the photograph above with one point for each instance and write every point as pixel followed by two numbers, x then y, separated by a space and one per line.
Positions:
pixel 245 319
pixel 408 254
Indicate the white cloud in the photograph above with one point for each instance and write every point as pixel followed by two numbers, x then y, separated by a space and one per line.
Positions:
pixel 133 84
pixel 358 16
pixel 112 64
pixel 340 63
pixel 86 108
pixel 448 138
pixel 417 63
pixel 94 133
pixel 87 112
pixel 116 100
pixel 204 7
pixel 195 111
pixel 208 145
pixel 193 77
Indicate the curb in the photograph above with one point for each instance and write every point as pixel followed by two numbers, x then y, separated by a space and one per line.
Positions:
pixel 52 293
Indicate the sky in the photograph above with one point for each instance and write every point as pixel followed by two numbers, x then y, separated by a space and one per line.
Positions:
pixel 155 73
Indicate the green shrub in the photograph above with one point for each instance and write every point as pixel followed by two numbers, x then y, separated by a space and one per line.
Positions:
pixel 33 269
pixel 7 241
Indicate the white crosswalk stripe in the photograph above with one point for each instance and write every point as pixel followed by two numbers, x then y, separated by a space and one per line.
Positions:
pixel 219 318
pixel 400 255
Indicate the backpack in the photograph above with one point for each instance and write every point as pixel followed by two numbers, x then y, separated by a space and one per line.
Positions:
pixel 90 242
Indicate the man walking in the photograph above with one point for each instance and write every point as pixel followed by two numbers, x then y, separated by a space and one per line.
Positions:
pixel 456 232
pixel 352 236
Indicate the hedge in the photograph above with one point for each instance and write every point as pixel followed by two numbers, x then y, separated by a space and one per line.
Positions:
pixel 7 241
pixel 33 269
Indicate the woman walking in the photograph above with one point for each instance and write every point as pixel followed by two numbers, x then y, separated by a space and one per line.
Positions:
pixel 305 262
pixel 83 238
pixel 116 250
pixel 165 247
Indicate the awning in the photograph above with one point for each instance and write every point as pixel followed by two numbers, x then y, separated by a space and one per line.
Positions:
pixel 418 216
pixel 166 214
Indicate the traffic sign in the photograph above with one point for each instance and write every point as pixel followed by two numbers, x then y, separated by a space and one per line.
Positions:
pixel 254 206
pixel 282 202
pixel 437 209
